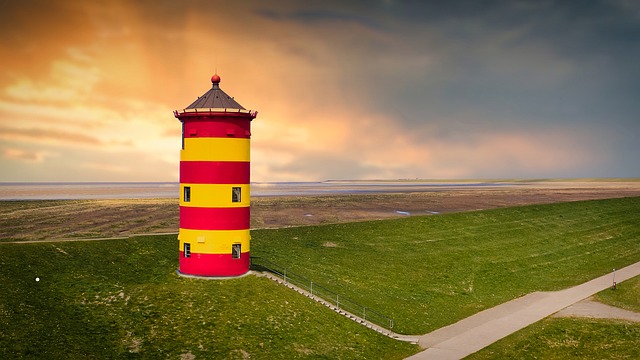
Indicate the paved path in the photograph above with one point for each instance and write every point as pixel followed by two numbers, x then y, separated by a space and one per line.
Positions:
pixel 484 328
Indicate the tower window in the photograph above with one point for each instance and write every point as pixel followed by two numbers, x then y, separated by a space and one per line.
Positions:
pixel 182 136
pixel 235 251
pixel 236 194
pixel 187 193
pixel 187 250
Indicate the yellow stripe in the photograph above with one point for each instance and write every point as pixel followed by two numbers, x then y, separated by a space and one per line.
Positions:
pixel 214 241
pixel 215 195
pixel 215 149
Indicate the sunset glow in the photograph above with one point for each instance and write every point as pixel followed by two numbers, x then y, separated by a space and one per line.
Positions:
pixel 343 90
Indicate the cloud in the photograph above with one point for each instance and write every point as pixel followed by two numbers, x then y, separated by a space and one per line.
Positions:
pixel 26 155
pixel 536 152
pixel 343 89
pixel 67 108
pixel 106 167
pixel 322 17
pixel 47 135
pixel 313 166
pixel 380 148
pixel 68 82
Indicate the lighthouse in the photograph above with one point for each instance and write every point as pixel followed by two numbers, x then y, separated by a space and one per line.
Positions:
pixel 214 185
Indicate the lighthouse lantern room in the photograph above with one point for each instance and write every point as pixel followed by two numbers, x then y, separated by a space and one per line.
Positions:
pixel 214 185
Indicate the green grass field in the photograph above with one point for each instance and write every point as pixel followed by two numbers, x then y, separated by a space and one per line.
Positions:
pixel 555 338
pixel 625 296
pixel 427 272
pixel 122 298
pixel 568 338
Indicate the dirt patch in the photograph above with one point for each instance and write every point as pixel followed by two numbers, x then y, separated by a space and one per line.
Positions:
pixel 268 212
pixel 132 343
pixel 187 356
pixel 37 220
pixel 64 219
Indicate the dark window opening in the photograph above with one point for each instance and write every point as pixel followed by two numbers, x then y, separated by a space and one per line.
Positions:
pixel 235 251
pixel 182 136
pixel 187 250
pixel 236 194
pixel 187 193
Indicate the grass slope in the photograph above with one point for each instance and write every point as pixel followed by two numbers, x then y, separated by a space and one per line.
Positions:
pixel 568 338
pixel 427 272
pixel 626 295
pixel 575 338
pixel 122 299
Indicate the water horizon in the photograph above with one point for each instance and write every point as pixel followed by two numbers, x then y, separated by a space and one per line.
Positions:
pixel 58 190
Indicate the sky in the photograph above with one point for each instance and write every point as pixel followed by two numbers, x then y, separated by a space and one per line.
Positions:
pixel 344 89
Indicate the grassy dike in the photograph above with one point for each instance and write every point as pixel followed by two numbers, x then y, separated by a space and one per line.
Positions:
pixel 428 272
pixel 122 298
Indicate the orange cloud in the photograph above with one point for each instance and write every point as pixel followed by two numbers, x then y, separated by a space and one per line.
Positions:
pixel 42 135
pixel 25 155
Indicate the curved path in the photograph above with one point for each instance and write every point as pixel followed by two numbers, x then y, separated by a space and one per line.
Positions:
pixel 484 328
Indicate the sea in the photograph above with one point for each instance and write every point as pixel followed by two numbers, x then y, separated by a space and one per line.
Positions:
pixel 148 190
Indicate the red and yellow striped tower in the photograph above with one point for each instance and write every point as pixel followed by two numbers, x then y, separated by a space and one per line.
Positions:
pixel 214 185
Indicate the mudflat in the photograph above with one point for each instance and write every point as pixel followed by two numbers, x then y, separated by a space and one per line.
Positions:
pixel 69 219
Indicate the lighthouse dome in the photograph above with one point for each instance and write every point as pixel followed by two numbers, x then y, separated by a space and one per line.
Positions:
pixel 215 98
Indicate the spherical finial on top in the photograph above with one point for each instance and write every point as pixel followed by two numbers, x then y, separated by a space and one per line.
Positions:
pixel 215 79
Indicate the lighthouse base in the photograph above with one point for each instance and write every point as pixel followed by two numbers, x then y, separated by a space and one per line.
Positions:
pixel 212 277
pixel 214 265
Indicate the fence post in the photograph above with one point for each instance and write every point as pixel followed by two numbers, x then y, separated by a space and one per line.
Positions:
pixel 312 288
pixel 364 313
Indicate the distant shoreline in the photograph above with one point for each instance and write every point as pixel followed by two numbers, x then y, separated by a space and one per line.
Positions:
pixel 16 191
pixel 117 216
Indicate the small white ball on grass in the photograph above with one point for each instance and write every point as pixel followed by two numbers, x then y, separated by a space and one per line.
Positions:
pixel 37 279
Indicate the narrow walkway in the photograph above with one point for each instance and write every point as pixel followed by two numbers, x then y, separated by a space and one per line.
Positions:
pixel 484 328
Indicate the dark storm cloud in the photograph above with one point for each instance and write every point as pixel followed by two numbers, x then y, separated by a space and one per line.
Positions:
pixel 485 55
pixel 309 17
pixel 474 66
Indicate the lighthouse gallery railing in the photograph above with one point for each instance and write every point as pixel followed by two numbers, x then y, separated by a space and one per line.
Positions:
pixel 339 301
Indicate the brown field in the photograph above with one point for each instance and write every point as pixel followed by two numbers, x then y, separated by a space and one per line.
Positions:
pixel 75 219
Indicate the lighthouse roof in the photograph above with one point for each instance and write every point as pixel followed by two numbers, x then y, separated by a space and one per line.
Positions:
pixel 215 98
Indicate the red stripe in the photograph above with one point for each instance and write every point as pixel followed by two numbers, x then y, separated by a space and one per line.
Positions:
pixel 217 127
pixel 214 264
pixel 215 172
pixel 201 218
pixel 190 116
